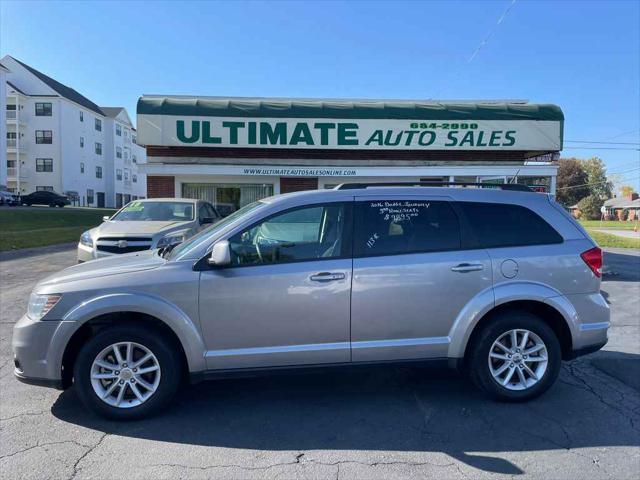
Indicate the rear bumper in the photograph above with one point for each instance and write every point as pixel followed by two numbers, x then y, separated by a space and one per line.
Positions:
pixel 591 323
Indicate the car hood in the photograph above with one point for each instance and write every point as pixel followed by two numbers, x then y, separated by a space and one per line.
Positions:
pixel 116 228
pixel 115 265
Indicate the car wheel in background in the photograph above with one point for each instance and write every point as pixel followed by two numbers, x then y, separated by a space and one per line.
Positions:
pixel 515 357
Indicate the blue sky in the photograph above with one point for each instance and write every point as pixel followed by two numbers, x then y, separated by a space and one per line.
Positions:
pixel 583 56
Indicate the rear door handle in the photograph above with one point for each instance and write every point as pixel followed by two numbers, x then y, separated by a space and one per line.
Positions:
pixel 326 276
pixel 467 267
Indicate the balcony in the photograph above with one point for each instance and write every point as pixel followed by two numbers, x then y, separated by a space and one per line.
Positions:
pixel 12 144
pixel 12 173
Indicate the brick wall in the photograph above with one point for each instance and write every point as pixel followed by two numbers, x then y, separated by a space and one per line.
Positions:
pixel 158 187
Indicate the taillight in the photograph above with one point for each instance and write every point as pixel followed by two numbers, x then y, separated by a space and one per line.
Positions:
pixel 593 259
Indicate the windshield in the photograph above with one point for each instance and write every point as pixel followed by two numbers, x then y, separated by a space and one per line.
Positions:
pixel 185 247
pixel 155 212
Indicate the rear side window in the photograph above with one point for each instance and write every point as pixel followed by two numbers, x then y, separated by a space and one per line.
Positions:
pixel 392 227
pixel 502 225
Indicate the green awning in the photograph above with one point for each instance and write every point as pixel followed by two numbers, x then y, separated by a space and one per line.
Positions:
pixel 348 109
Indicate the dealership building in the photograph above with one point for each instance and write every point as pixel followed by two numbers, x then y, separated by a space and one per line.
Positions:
pixel 233 151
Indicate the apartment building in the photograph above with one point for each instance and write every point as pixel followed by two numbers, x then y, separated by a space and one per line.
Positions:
pixel 57 139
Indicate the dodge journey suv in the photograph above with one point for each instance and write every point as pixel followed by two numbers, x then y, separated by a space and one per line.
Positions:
pixel 500 283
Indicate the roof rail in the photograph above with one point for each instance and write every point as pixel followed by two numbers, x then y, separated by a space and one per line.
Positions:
pixel 502 186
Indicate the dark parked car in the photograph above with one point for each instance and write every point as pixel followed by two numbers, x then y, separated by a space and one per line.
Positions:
pixel 44 197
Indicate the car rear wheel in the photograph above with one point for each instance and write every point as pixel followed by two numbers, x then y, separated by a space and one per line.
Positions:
pixel 126 373
pixel 516 357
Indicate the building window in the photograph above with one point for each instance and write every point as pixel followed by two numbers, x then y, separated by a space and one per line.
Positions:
pixel 98 172
pixel 98 148
pixel 81 167
pixel 126 155
pixel 81 142
pixel 118 174
pixel 44 188
pixel 43 109
pixel 118 152
pixel 118 130
pixel 134 159
pixel 98 124
pixel 134 139
pixel 126 175
pixel 89 196
pixel 44 136
pixel 134 177
pixel 44 165
pixel 126 133
pixel 81 116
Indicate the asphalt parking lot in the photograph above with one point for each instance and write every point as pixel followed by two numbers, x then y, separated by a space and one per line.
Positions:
pixel 373 423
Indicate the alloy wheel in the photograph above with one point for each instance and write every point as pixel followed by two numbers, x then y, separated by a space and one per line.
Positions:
pixel 518 359
pixel 125 374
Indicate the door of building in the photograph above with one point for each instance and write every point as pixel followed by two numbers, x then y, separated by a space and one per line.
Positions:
pixel 100 199
pixel 297 184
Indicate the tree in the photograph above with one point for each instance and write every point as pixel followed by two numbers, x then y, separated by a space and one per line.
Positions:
pixel 572 180
pixel 599 185
pixel 589 207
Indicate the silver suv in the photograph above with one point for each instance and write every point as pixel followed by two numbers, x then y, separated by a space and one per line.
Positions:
pixel 503 284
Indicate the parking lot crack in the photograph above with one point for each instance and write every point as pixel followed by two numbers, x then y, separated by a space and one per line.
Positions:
pixel 42 445
pixel 76 465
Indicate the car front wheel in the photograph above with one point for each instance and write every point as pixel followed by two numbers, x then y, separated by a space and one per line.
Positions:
pixel 516 357
pixel 126 373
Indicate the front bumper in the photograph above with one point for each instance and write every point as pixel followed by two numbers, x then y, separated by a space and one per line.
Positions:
pixel 38 348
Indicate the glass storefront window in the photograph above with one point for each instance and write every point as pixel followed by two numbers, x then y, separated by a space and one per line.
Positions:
pixel 227 197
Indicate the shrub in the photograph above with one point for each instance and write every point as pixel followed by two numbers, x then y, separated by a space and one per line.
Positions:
pixel 589 208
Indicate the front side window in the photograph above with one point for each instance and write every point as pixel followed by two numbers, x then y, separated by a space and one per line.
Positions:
pixel 134 178
pixel 118 174
pixel 43 109
pixel 44 165
pixel 503 225
pixel 81 167
pixel 134 159
pixel 81 116
pixel 44 136
pixel 393 227
pixel 98 148
pixel 118 152
pixel 81 142
pixel 156 212
pixel 98 124
pixel 98 172
pixel 308 233
pixel 118 130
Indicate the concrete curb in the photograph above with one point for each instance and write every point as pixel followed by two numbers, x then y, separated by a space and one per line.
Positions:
pixel 32 252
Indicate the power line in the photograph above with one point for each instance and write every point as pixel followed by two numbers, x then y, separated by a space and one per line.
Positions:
pixel 597 183
pixel 603 143
pixel 623 134
pixel 602 148
pixel 486 39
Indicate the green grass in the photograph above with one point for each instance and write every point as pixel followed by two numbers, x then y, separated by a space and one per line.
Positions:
pixel 607 240
pixel 37 227
pixel 612 224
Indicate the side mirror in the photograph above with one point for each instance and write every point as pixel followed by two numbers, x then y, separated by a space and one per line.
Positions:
pixel 105 218
pixel 221 254
pixel 205 220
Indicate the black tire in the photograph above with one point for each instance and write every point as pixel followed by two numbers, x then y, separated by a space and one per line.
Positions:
pixel 165 352
pixel 477 361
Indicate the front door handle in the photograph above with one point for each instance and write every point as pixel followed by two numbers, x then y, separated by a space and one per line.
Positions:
pixel 326 276
pixel 467 267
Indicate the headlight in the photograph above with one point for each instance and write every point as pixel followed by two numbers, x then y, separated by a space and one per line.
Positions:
pixel 173 237
pixel 86 240
pixel 39 305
